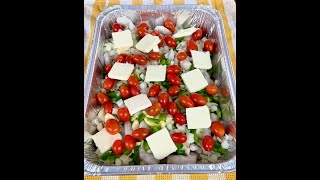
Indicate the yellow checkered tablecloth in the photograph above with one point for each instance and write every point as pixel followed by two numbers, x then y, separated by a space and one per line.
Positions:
pixel 227 9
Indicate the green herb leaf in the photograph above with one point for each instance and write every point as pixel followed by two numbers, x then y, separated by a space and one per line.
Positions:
pixel 112 94
pixel 180 39
pixel 127 152
pixel 141 117
pixel 166 84
pixel 146 145
pixel 114 100
pixel 105 155
pixel 135 157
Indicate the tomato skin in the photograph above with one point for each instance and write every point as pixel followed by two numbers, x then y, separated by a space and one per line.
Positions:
pixel 207 143
pixel 181 56
pixel 172 108
pixel 178 137
pixel 224 91
pixel 116 27
pixel 208 45
pixel 171 42
pixel 154 109
pixel 161 41
pixel 142 32
pixel 173 79
pixel 231 129
pixel 217 128
pixel 133 81
pixel 121 58
pixel 154 33
pixel 154 90
pixel 163 99
pixel 212 90
pixel 156 56
pixel 169 19
pixel 125 92
pixel 117 147
pixel 198 99
pixel 108 84
pixel 170 26
pixel 173 69
pixel 107 68
pixel 186 101
pixel 134 90
pixel 179 118
pixel 191 45
pixel 140 59
pixel 102 98
pixel 108 108
pixel 123 114
pixel 129 142
pixel 197 35
pixel 143 25
pixel 129 60
pixel 140 134
pixel 112 126
pixel 174 91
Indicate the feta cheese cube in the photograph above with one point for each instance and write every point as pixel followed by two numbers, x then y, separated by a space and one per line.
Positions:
pixel 156 73
pixel 201 60
pixel 194 80
pixel 121 71
pixel 156 49
pixel 185 32
pixel 161 144
pixel 104 140
pixel 147 43
pixel 137 103
pixel 122 39
pixel 198 117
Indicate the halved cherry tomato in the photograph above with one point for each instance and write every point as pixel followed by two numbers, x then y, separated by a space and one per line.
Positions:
pixel 107 68
pixel 212 90
pixel 163 99
pixel 171 42
pixel 133 81
pixel 117 147
pixel 198 99
pixel 208 45
pixel 170 26
pixel 180 119
pixel 178 137
pixel 154 109
pixel 123 114
pixel 172 108
pixel 191 45
pixel 186 101
pixel 231 129
pixel 108 84
pixel 140 133
pixel 173 79
pixel 173 91
pixel 224 91
pixel 181 56
pixel 174 69
pixel 154 90
pixel 143 25
pixel 217 129
pixel 140 59
pixel 207 143
pixel 154 56
pixel 112 126
pixel 121 58
pixel 129 60
pixel 116 27
pixel 197 35
pixel 124 91
pixel 108 107
pixel 129 142
pixel 134 90
pixel 102 98
pixel 142 32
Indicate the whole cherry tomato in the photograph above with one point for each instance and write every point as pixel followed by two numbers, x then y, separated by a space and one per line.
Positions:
pixel 197 35
pixel 191 45
pixel 142 32
pixel 231 129
pixel 134 90
pixel 116 27
pixel 172 108
pixel 154 56
pixel 224 91
pixel 171 42
pixel 169 19
pixel 143 25
pixel 129 142
pixel 129 60
pixel 217 129
pixel 208 45
pixel 198 99
pixel 163 99
pixel 140 133
pixel 121 58
pixel 207 143
pixel 140 59
pixel 154 109
pixel 125 92
pixel 117 147
pixel 178 137
pixel 212 89
pixel 112 126
pixel 123 114
pixel 108 84
pixel 107 68
pixel 181 56
pixel 108 108
pixel 180 119
pixel 173 91
pixel 102 98
pixel 133 81
pixel 173 79
pixel 154 90
pixel 174 69
pixel 170 26
pixel 186 101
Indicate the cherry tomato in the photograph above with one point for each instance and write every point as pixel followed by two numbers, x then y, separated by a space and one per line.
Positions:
pixel 181 56
pixel 107 68
pixel 121 58
pixel 169 19
pixel 207 143
pixel 224 91
pixel 140 59
pixel 112 126
pixel 178 137
pixel 208 45
pixel 197 35
pixel 133 81
pixel 154 109
pixel 123 114
pixel 173 91
pixel 170 26
pixel 117 147
pixel 154 33
pixel 154 90
pixel 186 101
pixel 171 42
pixel 129 142
pixel 217 128
pixel 173 79
pixel 212 89
pixel 154 56
pixel 231 129
pixel 180 119
pixel 108 84
pixel 161 41
pixel 134 90
pixel 191 45
pixel 142 32
pixel 129 60
pixel 108 108
pixel 172 108
pixel 102 98
pixel 116 27
pixel 125 92
pixel 174 69
pixel 198 99
pixel 143 25
pixel 163 99
pixel 140 133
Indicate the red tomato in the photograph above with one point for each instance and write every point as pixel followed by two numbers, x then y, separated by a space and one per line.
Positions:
pixel 154 56
pixel 163 99
pixel 117 147
pixel 107 68
pixel 102 98
pixel 129 60
pixel 171 42
pixel 231 129
pixel 108 84
pixel 108 107
pixel 224 91
pixel 133 81
pixel 154 90
pixel 197 35
pixel 154 33
pixel 129 142
pixel 143 25
pixel 181 56
pixel 198 99
pixel 140 59
pixel 173 79
pixel 208 45
pixel 178 137
pixel 170 26
pixel 112 126
pixel 121 58
pixel 174 69
pixel 116 27
pixel 186 101
pixel 180 119
pixel 154 109
pixel 125 92
pixel 191 45
pixel 161 41
pixel 173 91
pixel 217 128
pixel 140 133
pixel 172 108
pixel 134 90
pixel 169 19
pixel 212 89
pixel 207 143
pixel 142 32
pixel 123 114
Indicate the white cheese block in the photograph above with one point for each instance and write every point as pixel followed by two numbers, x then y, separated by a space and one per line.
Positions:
pixel 201 60
pixel 137 103
pixel 122 39
pixel 156 49
pixel 156 73
pixel 182 17
pixel 161 144
pixel 104 140
pixel 194 80
pixel 147 43
pixel 198 117
pixel 121 71
pixel 185 32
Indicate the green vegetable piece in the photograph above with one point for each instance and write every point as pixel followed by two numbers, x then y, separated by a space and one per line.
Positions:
pixel 141 117
pixel 116 99
pixel 163 56
pixel 201 91
pixel 180 107
pixel 162 117
pixel 105 155
pixel 146 145
pixel 179 146
pixel 208 98
pixel 195 135
pixel 155 129
pixel 216 99
pixel 218 111
pixel 112 94
pixel 181 152
pixel 166 84
pixel 137 75
pixel 163 62
pixel 135 157
pixel 183 92
pixel 152 121
pixel 168 62
pixel 180 39
pixel 127 152
pixel 191 67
